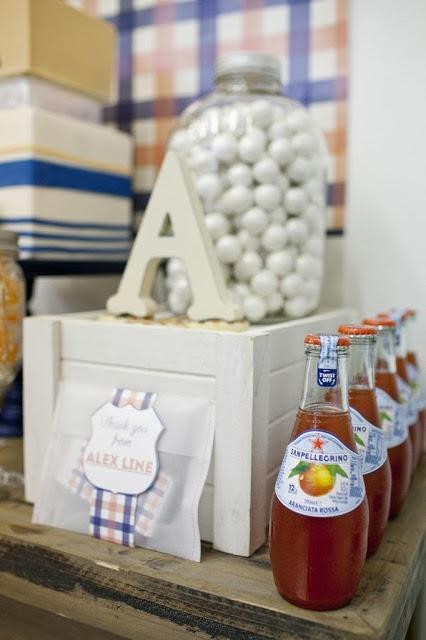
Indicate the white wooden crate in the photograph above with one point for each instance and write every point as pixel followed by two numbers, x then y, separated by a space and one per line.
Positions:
pixel 253 377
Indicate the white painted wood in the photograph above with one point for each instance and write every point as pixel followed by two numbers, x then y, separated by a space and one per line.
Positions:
pixel 174 199
pixel 41 374
pixel 185 384
pixel 155 348
pixel 285 389
pixel 240 443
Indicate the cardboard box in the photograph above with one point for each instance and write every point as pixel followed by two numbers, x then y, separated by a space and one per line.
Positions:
pixel 65 186
pixel 253 377
pixel 50 39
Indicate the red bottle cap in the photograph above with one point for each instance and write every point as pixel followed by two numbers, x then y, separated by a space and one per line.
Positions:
pixel 382 321
pixel 357 330
pixel 314 339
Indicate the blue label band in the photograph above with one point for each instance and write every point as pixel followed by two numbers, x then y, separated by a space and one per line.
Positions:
pixel 327 365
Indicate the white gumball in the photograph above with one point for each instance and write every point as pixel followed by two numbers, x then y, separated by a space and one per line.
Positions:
pixel 251 147
pixel 182 287
pixel 308 266
pixel 217 225
pixel 175 267
pixel 278 129
pixel 209 186
pixel 297 231
pixel 314 216
pixel 247 241
pixel 274 302
pixel 248 265
pixel 312 289
pixel 296 307
pixel 264 283
pixel 202 161
pixel 298 120
pixel 315 190
pixel 266 170
pixel 303 143
pixel 299 170
pixel 237 199
pixel 179 141
pixel 239 291
pixel 261 113
pixel 255 220
pixel 177 303
pixel 255 308
pixel 281 151
pixel 232 120
pixel 314 246
pixel 295 200
pixel 278 215
pixel 228 249
pixel 210 121
pixel 274 237
pixel 279 112
pixel 224 147
pixel 280 262
pixel 292 285
pixel 240 174
pixel 267 196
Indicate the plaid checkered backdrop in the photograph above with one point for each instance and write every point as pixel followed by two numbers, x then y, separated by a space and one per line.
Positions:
pixel 167 50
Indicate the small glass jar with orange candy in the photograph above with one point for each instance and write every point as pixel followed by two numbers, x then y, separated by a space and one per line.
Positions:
pixel 12 309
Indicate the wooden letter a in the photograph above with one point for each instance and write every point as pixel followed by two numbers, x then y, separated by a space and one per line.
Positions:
pixel 174 200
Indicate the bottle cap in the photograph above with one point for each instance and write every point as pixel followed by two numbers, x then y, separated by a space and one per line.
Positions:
pixel 357 330
pixel 314 339
pixel 411 313
pixel 380 322
pixel 248 62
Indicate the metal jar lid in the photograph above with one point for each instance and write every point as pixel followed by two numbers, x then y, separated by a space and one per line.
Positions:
pixel 248 62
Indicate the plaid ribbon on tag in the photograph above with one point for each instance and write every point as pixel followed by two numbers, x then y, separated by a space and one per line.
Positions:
pixel 138 399
pixel 150 504
pixel 112 516
pixel 78 483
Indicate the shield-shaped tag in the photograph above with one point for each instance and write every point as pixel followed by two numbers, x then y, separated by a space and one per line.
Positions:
pixel 121 455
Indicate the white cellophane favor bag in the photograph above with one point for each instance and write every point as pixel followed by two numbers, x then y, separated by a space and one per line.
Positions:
pixel 165 516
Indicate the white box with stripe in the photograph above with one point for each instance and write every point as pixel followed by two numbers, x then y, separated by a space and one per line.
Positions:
pixel 253 377
pixel 65 186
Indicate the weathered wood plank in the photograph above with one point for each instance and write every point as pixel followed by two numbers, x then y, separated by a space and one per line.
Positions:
pixel 139 593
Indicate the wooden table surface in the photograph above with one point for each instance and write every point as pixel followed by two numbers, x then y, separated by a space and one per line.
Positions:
pixel 56 584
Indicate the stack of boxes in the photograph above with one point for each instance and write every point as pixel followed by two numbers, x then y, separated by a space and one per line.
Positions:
pixel 65 179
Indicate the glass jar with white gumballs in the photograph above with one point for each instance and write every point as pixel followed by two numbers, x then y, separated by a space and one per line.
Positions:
pixel 258 162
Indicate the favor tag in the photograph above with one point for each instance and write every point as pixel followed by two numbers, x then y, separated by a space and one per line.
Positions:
pixel 327 365
pixel 121 455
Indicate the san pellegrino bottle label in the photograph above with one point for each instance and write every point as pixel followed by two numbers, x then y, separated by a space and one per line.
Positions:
pixel 419 394
pixel 393 419
pixel 327 363
pixel 406 395
pixel 370 442
pixel 320 476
